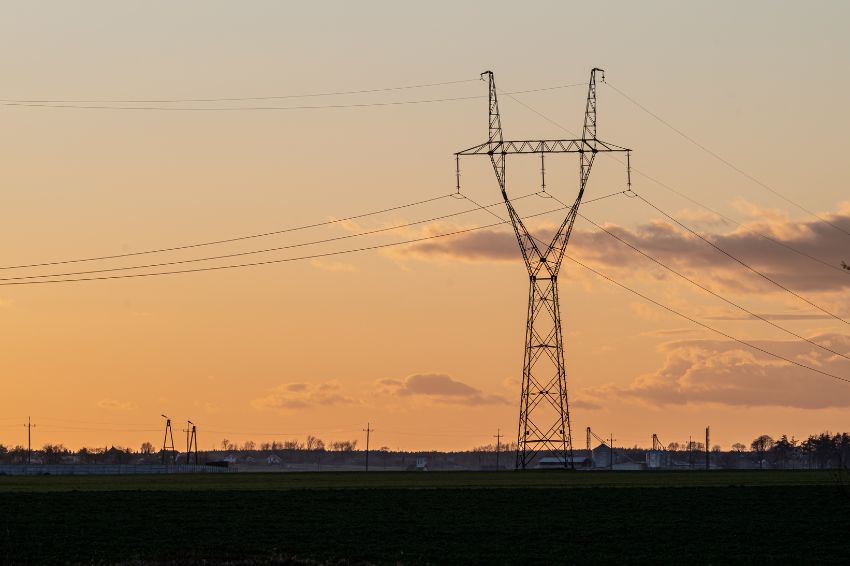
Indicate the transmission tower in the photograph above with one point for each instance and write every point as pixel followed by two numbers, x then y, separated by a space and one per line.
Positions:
pixel 544 415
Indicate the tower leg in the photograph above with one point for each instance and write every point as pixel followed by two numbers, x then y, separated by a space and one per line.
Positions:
pixel 544 417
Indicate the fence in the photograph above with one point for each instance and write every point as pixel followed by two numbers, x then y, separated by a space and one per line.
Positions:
pixel 105 469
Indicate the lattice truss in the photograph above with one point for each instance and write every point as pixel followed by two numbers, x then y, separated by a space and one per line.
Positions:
pixel 544 415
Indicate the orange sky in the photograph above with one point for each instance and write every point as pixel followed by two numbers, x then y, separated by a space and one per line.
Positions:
pixel 425 342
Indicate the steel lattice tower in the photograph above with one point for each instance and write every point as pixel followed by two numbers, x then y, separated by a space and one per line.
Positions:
pixel 544 414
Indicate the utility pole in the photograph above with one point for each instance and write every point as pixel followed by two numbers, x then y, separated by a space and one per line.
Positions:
pixel 168 433
pixel 29 426
pixel 612 452
pixel 498 437
pixel 544 415
pixel 368 430
pixel 707 453
pixel 691 452
pixel 191 441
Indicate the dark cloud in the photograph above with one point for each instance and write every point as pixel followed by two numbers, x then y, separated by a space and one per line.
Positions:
pixel 439 387
pixel 685 252
pixel 728 373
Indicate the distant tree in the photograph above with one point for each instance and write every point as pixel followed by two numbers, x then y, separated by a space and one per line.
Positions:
pixel 249 445
pixel 842 444
pixel 293 445
pixel 783 449
pixel 673 447
pixel 53 453
pixel 344 445
pixel 225 444
pixel 761 445
pixel 821 449
pixel 845 265
pixel 147 448
pixel 314 443
pixel 738 447
pixel 18 454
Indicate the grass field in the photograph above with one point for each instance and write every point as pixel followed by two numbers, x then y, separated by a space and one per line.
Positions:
pixel 409 518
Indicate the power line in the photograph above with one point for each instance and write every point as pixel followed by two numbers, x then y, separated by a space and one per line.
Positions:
pixel 242 108
pixel 700 286
pixel 686 316
pixel 282 260
pixel 686 197
pixel 706 326
pixel 241 98
pixel 742 263
pixel 254 252
pixel 727 162
pixel 709 291
pixel 738 224
pixel 230 240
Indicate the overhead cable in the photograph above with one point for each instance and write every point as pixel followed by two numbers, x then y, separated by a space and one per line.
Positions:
pixel 260 251
pixel 743 263
pixel 691 199
pixel 234 239
pixel 235 99
pixel 242 108
pixel 728 163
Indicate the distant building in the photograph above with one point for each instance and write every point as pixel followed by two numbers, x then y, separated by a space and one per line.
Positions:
pixel 557 462
pixel 273 459
pixel 657 459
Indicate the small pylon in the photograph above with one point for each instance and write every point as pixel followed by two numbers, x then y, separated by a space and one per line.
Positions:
pixel 169 437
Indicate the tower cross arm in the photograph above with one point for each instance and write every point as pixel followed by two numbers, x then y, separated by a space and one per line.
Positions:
pixel 542 146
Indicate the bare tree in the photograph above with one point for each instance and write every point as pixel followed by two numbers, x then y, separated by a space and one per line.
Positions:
pixel 343 445
pixel 314 443
pixel 738 447
pixel 53 453
pixel 147 448
pixel 224 444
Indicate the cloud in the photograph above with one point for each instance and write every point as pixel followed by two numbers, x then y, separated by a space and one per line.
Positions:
pixel 585 404
pixel 113 405
pixel 289 396
pixel 728 373
pixel 685 252
pixel 438 387
pixel 482 245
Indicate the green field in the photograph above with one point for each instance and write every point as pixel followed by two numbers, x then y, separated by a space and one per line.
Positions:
pixel 418 518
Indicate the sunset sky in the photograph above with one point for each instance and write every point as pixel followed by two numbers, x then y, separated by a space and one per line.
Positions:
pixel 423 341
